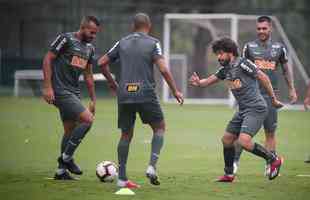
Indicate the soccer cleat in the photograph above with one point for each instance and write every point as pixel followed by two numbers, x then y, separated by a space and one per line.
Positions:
pixel 275 168
pixel 127 184
pixel 151 175
pixel 236 166
pixel 64 176
pixel 226 178
pixel 70 165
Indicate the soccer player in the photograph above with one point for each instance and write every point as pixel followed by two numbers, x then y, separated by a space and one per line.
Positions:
pixel 69 56
pixel 268 56
pixel 137 53
pixel 241 77
pixel 307 104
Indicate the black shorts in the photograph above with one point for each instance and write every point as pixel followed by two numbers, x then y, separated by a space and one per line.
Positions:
pixel 271 121
pixel 150 112
pixel 246 122
pixel 70 107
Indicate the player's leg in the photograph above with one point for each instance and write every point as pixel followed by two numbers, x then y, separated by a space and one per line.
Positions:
pixel 74 111
pixel 250 126
pixel 228 140
pixel 126 121
pixel 238 152
pixel 151 114
pixel 61 172
pixel 270 126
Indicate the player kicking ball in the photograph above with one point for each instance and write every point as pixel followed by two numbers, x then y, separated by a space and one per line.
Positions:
pixel 241 77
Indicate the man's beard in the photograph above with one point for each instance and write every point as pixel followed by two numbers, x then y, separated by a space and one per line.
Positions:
pixel 224 62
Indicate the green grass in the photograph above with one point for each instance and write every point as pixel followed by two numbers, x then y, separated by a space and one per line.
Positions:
pixel 190 161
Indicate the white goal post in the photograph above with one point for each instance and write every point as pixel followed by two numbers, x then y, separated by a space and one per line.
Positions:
pixel 182 30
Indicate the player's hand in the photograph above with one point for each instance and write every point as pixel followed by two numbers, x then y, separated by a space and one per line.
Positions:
pixel 292 96
pixel 48 95
pixel 194 80
pixel 92 107
pixel 179 97
pixel 307 103
pixel 276 103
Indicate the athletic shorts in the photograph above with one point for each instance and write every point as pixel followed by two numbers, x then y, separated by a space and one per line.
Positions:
pixel 271 121
pixel 70 107
pixel 246 122
pixel 150 112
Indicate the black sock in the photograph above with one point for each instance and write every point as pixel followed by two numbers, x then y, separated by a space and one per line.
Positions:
pixel 122 150
pixel 262 152
pixel 229 154
pixel 238 152
pixel 64 142
pixel 78 134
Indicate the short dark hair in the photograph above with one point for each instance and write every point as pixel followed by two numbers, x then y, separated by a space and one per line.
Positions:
pixel 264 18
pixel 225 44
pixel 141 20
pixel 90 18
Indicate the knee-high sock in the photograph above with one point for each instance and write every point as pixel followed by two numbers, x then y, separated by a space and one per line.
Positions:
pixel 262 152
pixel 122 150
pixel 157 144
pixel 77 135
pixel 238 151
pixel 229 154
pixel 64 142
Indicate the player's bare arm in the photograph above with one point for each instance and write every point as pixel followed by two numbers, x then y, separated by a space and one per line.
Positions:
pixel 196 81
pixel 103 62
pixel 89 80
pixel 265 81
pixel 161 64
pixel 48 92
pixel 290 83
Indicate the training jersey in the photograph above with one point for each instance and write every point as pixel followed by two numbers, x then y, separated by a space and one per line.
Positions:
pixel 240 77
pixel 72 58
pixel 268 57
pixel 136 54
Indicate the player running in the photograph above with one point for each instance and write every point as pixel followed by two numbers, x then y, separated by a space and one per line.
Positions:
pixel 69 56
pixel 137 53
pixel 268 56
pixel 241 77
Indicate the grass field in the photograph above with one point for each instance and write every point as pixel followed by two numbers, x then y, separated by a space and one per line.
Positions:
pixel 190 161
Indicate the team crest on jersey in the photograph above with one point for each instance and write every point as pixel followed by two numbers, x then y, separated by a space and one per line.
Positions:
pixel 132 87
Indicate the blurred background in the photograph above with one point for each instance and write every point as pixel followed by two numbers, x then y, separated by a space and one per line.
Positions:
pixel 28 27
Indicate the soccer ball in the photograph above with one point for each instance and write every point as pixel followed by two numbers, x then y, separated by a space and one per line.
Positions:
pixel 106 171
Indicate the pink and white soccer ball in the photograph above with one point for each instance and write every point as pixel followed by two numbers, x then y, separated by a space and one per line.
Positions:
pixel 106 171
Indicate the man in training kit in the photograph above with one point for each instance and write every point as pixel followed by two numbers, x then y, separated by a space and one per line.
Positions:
pixel 268 56
pixel 70 55
pixel 137 53
pixel 307 104
pixel 241 77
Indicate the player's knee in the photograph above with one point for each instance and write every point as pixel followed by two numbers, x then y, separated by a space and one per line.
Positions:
pixel 87 118
pixel 227 140
pixel 245 141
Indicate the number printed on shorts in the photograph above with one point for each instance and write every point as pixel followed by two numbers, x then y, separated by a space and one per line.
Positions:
pixel 78 62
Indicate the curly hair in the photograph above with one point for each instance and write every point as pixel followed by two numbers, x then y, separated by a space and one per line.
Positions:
pixel 226 45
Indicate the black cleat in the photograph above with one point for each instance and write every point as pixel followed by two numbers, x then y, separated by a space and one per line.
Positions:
pixel 153 179
pixel 64 176
pixel 70 165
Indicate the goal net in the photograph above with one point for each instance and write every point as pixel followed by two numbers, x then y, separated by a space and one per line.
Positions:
pixel 186 47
